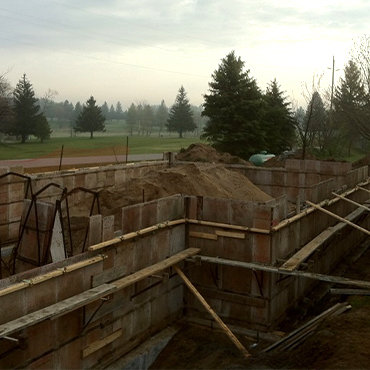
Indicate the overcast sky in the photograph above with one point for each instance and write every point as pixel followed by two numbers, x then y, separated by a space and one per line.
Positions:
pixel 144 50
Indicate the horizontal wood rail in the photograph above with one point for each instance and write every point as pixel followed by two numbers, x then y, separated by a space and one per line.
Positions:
pixel 73 303
pixel 309 275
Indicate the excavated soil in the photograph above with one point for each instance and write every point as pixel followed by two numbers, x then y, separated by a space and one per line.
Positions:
pixel 213 180
pixel 205 153
pixel 340 342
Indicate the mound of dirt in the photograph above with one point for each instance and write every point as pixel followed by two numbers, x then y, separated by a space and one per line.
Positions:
pixel 365 161
pixel 192 179
pixel 205 153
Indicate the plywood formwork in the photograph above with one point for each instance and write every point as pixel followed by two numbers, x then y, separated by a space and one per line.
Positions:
pixel 99 332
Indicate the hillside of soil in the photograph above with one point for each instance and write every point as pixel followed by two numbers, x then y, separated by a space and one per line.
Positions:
pixel 213 180
pixel 205 153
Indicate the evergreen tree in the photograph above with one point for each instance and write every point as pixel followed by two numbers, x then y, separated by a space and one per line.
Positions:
pixel 161 116
pixel 139 118
pixel 90 119
pixel 351 105
pixel 112 113
pixel 235 110
pixel 6 111
pixel 119 111
pixel 280 127
pixel 42 129
pixel 105 110
pixel 313 123
pixel 77 111
pixel 180 118
pixel 131 119
pixel 27 111
pixel 148 118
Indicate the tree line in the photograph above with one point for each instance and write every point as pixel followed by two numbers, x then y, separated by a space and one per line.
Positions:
pixel 237 116
pixel 23 115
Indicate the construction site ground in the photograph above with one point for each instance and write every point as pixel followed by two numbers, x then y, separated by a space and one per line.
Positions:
pixel 341 342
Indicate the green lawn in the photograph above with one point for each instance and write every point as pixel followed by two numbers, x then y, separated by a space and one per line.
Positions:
pixel 100 145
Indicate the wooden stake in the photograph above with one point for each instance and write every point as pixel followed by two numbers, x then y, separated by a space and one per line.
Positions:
pixel 351 201
pixel 228 332
pixel 338 217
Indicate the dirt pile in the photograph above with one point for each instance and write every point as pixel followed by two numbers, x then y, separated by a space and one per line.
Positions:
pixel 192 179
pixel 205 153
pixel 365 161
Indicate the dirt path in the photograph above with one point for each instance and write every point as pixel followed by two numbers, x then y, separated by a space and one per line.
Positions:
pixel 67 161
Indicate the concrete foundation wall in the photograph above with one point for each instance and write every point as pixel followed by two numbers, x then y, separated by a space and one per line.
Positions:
pixel 307 179
pixel 12 188
pixel 238 295
pixel 130 316
pixel 285 290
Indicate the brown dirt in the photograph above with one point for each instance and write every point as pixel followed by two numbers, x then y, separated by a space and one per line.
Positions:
pixel 205 153
pixel 190 179
pixel 341 342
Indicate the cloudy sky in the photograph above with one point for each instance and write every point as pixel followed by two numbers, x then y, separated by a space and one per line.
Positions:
pixel 144 50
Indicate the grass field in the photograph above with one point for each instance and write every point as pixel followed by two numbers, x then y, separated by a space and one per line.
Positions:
pixel 100 145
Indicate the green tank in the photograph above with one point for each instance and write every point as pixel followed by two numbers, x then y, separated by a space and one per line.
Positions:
pixel 260 158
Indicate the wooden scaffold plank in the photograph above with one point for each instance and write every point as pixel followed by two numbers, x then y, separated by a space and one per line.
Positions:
pixel 70 304
pixel 223 326
pixel 309 275
pixel 293 262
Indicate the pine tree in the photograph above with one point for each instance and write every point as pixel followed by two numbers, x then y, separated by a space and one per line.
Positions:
pixel 161 116
pixel 280 127
pixel 105 110
pixel 131 119
pixel 119 111
pixel 180 118
pixel 27 111
pixel 351 108
pixel 235 110
pixel 90 119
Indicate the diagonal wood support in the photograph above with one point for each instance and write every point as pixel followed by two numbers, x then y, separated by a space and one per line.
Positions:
pixel 338 217
pixel 223 326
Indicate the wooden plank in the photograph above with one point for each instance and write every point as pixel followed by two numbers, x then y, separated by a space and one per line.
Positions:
pixel 309 325
pixel 73 303
pixel 350 291
pixel 228 226
pixel 277 270
pixel 293 262
pixel 151 270
pixel 351 201
pixel 227 331
pixel 338 217
pixel 212 293
pixel 109 275
pixel 93 347
pixel 361 188
pixel 135 234
pixel 56 309
pixel 230 234
pixel 50 275
pixel 197 234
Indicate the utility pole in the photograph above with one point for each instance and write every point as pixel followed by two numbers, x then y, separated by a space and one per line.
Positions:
pixel 332 87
